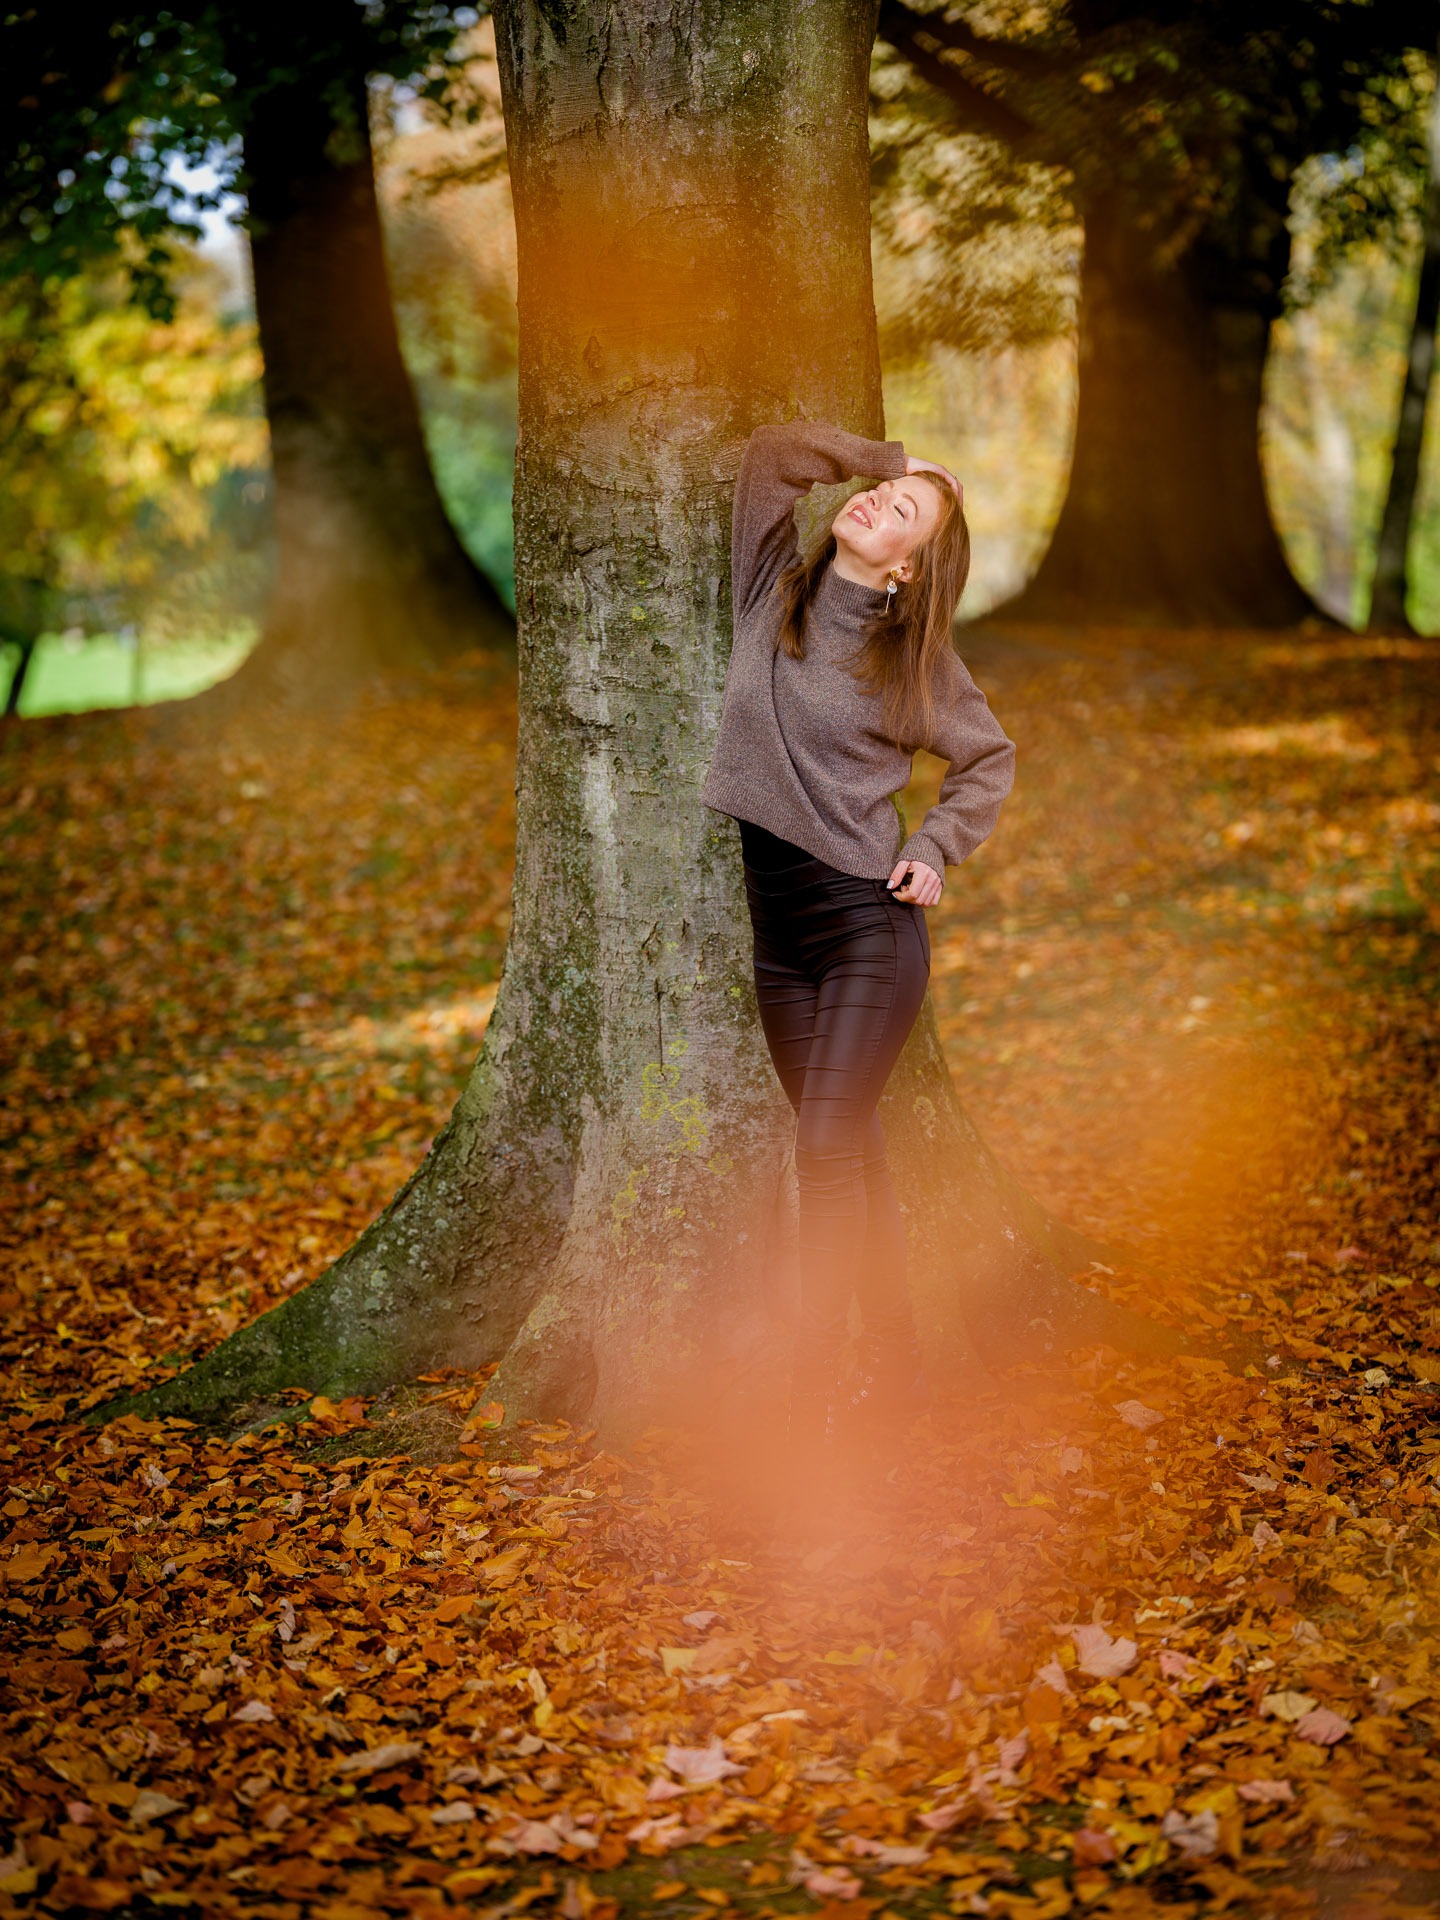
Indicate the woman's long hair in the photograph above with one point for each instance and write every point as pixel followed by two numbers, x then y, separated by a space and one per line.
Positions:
pixel 901 654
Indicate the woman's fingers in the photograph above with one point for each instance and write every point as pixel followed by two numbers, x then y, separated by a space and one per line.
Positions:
pixel 913 465
pixel 923 887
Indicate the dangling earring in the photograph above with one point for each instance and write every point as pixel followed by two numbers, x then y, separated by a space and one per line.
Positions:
pixel 891 582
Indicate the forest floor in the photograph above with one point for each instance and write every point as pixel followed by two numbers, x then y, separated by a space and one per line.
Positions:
pixel 1121 1639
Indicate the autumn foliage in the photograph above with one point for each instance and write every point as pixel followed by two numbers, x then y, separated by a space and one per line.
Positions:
pixel 1113 1638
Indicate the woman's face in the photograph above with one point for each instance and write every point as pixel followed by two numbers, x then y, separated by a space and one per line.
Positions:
pixel 881 526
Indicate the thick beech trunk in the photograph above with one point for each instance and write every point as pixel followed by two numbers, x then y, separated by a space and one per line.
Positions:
pixel 1388 611
pixel 370 575
pixel 1165 521
pixel 607 1212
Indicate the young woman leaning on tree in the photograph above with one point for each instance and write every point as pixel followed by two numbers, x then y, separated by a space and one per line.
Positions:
pixel 843 664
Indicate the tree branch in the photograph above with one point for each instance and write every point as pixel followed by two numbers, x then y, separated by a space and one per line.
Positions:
pixel 1019 58
pixel 906 32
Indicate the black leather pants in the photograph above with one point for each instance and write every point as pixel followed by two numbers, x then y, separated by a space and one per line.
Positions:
pixel 841 969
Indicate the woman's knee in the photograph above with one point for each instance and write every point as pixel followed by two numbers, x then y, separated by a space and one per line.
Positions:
pixel 829 1159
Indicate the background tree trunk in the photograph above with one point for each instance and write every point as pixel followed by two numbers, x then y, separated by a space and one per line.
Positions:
pixel 370 574
pixel 1332 447
pixel 1165 521
pixel 26 608
pixel 24 645
pixel 1388 611
pixel 608 1211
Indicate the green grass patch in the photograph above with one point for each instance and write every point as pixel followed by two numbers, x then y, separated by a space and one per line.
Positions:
pixel 107 670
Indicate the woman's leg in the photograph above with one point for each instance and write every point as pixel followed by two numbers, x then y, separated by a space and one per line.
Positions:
pixel 821 931
pixel 870 993
pixel 787 1001
pixel 881 1284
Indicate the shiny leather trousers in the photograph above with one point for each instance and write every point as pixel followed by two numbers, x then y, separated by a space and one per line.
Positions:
pixel 841 969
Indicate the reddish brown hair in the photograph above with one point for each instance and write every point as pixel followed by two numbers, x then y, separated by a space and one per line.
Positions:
pixel 900 656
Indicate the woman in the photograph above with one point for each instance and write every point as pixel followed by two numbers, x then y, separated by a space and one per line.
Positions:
pixel 842 665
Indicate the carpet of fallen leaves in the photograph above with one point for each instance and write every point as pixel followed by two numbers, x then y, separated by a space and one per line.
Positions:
pixel 1117 1639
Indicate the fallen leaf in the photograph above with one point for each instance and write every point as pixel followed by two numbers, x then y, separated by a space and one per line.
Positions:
pixel 395 1753
pixel 1090 1847
pixel 1287 1704
pixel 254 1710
pixel 942 1819
pixel 150 1805
pixel 1323 1726
pixel 832 1883
pixel 1194 1835
pixel 1097 1653
pixel 1136 1414
pixel 1266 1792
pixel 1052 1675
pixel 699 1766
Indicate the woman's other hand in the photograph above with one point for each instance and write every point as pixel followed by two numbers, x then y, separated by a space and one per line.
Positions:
pixel 913 465
pixel 924 886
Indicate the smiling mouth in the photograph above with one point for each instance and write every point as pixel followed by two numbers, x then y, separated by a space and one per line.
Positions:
pixel 859 513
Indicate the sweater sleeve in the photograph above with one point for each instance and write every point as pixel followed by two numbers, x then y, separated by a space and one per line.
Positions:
pixel 980 775
pixel 779 465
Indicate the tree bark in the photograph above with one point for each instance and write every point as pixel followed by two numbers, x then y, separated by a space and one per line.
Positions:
pixel 370 575
pixel 1388 610
pixel 608 1211
pixel 1165 521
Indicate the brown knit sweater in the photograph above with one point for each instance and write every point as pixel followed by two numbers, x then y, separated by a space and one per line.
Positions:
pixel 799 749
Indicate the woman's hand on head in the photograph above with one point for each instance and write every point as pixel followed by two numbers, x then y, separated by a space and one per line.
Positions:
pixel 913 465
pixel 924 886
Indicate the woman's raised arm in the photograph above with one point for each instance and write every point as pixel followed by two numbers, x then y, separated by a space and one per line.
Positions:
pixel 780 463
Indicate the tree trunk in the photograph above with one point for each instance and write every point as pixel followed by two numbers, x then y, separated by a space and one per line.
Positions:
pixel 1165 521
pixel 26 606
pixel 1332 468
pixel 608 1211
pixel 370 574
pixel 1388 612
pixel 25 645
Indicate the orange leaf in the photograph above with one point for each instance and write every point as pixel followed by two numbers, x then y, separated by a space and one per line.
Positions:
pixel 454 1608
pixel 1042 1704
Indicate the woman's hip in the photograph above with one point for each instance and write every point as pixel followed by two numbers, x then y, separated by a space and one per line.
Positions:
pixel 818 916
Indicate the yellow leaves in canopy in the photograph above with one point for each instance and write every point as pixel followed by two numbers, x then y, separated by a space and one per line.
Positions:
pixel 114 427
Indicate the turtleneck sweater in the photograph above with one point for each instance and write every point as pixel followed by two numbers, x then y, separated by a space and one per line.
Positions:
pixel 800 749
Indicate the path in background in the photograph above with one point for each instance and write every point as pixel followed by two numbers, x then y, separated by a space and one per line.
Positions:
pixel 1146 1637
